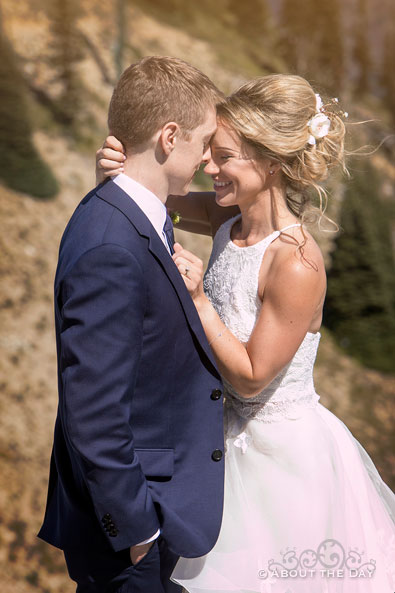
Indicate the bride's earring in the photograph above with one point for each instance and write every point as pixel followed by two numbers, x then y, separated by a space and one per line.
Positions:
pixel 271 172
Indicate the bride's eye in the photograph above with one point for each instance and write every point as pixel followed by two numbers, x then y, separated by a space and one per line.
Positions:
pixel 225 157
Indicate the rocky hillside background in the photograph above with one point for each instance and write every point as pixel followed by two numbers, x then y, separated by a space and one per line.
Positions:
pixel 30 231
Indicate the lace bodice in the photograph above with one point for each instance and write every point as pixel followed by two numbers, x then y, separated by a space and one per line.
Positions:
pixel 231 284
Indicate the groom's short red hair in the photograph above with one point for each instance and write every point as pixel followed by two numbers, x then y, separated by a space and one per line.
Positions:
pixel 154 91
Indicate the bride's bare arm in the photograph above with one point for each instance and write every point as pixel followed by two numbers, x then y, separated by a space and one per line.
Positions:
pixel 199 212
pixel 293 297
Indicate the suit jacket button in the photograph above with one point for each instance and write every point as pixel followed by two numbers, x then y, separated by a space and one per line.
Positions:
pixel 113 532
pixel 216 455
pixel 216 394
pixel 106 518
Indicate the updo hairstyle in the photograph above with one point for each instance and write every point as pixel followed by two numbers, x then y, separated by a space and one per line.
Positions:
pixel 271 114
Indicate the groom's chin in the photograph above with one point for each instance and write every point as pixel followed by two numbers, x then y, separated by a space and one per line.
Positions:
pixel 184 191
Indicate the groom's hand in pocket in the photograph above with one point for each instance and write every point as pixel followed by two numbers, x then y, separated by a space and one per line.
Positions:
pixel 137 553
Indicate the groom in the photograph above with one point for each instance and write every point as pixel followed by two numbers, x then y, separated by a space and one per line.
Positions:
pixel 137 465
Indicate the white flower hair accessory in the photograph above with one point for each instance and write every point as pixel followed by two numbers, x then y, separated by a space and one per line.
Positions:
pixel 319 125
pixel 318 103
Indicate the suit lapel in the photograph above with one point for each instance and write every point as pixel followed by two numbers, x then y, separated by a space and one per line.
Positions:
pixel 114 195
pixel 157 249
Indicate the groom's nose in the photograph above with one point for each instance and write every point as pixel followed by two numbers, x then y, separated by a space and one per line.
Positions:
pixel 206 155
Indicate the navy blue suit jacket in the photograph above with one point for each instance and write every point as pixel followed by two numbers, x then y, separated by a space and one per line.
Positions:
pixel 139 434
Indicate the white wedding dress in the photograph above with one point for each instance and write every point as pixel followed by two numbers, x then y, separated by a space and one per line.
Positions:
pixel 305 510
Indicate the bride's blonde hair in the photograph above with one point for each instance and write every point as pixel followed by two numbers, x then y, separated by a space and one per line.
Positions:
pixel 271 114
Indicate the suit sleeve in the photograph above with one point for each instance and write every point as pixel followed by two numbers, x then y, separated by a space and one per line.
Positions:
pixel 101 341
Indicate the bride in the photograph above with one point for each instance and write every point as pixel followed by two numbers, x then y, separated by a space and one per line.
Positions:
pixel 305 509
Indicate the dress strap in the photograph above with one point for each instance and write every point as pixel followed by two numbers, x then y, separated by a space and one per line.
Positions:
pixel 276 234
pixel 290 226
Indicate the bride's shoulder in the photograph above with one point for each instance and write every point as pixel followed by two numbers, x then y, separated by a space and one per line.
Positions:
pixel 297 259
pixel 297 245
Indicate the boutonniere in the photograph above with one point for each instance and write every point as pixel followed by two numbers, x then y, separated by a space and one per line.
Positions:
pixel 175 217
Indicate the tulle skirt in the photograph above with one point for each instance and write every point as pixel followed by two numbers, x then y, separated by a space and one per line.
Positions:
pixel 305 511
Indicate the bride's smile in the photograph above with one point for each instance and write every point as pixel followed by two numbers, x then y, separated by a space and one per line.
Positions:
pixel 238 176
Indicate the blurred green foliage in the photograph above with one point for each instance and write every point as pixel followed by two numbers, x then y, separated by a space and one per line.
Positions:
pixel 360 304
pixel 21 167
pixel 204 181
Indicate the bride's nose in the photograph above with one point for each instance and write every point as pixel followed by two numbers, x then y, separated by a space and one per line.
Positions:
pixel 211 168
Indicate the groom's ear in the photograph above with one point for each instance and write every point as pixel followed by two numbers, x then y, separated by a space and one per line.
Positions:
pixel 168 137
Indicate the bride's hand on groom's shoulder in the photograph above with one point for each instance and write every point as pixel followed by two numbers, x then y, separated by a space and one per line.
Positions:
pixel 191 270
pixel 109 159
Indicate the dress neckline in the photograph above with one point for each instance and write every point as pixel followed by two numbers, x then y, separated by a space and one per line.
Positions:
pixel 272 235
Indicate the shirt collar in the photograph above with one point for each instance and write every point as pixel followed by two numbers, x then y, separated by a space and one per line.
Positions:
pixel 147 201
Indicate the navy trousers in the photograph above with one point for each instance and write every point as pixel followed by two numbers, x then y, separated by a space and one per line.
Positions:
pixel 116 573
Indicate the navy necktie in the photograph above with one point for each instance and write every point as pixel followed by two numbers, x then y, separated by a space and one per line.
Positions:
pixel 169 232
